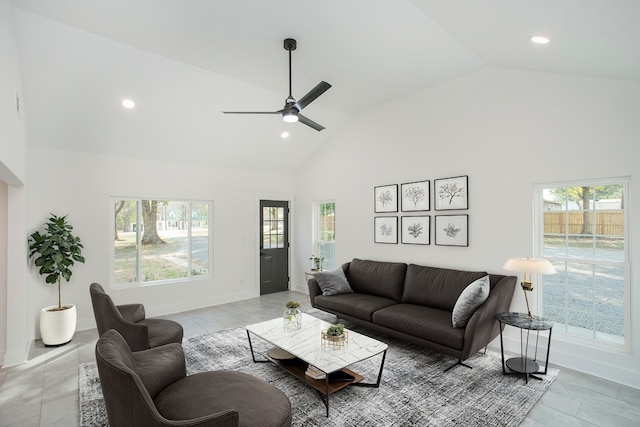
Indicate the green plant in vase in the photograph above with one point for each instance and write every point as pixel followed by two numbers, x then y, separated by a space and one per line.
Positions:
pixel 317 262
pixel 292 315
pixel 335 336
pixel 335 330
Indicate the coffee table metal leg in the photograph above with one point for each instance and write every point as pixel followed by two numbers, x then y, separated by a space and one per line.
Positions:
pixel 326 393
pixel 253 355
pixel 377 383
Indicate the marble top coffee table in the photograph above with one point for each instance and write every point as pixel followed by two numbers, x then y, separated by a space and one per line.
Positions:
pixel 308 348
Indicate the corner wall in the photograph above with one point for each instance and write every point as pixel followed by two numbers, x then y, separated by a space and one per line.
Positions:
pixel 13 170
pixel 506 130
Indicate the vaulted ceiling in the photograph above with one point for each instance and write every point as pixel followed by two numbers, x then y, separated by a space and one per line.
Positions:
pixel 185 61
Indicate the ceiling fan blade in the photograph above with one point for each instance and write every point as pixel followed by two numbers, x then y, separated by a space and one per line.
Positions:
pixel 320 88
pixel 307 121
pixel 252 112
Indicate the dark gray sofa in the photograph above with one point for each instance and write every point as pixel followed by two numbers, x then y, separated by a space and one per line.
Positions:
pixel 415 303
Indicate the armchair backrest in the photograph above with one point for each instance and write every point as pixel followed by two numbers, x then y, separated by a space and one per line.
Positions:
pixel 127 400
pixel 104 310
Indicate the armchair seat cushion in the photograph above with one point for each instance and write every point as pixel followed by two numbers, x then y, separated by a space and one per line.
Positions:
pixel 254 399
pixel 163 331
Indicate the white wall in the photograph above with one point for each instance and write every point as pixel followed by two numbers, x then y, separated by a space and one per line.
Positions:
pixel 81 185
pixel 13 168
pixel 507 131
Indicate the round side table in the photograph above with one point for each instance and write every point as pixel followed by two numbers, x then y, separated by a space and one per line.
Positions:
pixel 524 364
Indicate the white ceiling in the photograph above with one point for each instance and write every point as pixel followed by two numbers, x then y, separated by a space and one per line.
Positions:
pixel 185 61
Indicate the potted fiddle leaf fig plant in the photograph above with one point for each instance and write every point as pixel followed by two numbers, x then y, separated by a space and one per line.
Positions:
pixel 56 250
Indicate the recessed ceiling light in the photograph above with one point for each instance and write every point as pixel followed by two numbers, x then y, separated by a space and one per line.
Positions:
pixel 284 134
pixel 128 103
pixel 540 39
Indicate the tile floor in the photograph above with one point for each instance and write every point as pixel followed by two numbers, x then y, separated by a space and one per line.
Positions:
pixel 44 391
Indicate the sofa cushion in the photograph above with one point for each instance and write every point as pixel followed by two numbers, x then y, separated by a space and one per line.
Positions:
pixel 436 287
pixel 333 282
pixel 354 304
pixel 427 323
pixel 383 279
pixel 472 297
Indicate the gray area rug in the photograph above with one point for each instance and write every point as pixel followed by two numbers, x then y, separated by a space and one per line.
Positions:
pixel 414 390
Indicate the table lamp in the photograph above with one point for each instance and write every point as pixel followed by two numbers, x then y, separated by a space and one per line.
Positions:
pixel 528 267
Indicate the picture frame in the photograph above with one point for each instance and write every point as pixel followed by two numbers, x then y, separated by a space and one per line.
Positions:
pixel 385 198
pixel 452 230
pixel 415 196
pixel 416 230
pixel 451 193
pixel 385 229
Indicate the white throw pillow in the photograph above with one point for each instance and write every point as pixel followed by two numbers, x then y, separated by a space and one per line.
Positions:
pixel 332 282
pixel 471 298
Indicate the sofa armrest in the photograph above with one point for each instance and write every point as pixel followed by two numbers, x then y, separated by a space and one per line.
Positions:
pixel 483 326
pixel 160 366
pixel 132 312
pixel 314 290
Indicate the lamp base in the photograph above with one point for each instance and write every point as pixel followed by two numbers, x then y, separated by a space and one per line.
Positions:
pixel 527 301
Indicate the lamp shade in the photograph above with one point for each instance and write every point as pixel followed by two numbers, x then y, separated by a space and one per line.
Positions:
pixel 531 266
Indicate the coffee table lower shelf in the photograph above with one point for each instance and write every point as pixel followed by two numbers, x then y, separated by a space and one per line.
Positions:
pixel 298 367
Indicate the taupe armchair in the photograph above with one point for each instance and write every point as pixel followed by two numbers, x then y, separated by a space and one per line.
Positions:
pixel 150 388
pixel 129 320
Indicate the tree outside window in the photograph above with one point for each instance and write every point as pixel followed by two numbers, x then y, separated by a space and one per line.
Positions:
pixel 159 240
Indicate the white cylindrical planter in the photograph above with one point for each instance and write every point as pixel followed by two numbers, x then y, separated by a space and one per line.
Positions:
pixel 58 327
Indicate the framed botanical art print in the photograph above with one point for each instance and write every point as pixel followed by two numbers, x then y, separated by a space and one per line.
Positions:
pixel 386 198
pixel 415 196
pixel 385 229
pixel 416 230
pixel 452 230
pixel 451 193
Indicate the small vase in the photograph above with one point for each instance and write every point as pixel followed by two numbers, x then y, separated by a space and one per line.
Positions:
pixel 292 318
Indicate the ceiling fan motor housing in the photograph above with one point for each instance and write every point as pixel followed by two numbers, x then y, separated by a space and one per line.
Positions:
pixel 290 44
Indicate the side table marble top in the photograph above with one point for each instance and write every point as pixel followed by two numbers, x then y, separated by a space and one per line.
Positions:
pixel 522 321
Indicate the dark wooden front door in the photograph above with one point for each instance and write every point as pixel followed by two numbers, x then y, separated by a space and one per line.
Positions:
pixel 274 246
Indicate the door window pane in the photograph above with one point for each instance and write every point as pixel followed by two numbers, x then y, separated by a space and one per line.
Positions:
pixel 272 227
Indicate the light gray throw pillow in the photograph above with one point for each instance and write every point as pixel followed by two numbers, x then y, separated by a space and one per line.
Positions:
pixel 332 282
pixel 472 297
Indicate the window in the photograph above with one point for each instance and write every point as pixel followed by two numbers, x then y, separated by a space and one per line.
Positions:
pixel 159 240
pixel 583 233
pixel 324 234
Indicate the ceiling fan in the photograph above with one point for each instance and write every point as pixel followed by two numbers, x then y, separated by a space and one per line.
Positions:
pixel 292 108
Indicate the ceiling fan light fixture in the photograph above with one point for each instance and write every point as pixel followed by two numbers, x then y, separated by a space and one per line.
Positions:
pixel 290 116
